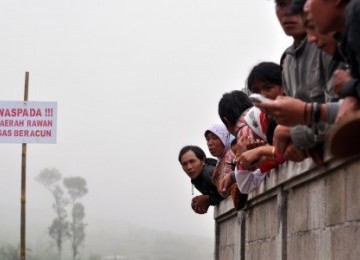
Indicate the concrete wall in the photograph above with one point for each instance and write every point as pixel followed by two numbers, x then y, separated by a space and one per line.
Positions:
pixel 295 214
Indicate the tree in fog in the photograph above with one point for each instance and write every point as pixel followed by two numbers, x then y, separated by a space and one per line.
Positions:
pixel 76 187
pixel 59 230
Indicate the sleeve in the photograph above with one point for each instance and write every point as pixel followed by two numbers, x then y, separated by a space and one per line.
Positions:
pixel 214 199
pixel 214 196
pixel 247 181
pixel 302 137
pixel 332 111
pixel 351 88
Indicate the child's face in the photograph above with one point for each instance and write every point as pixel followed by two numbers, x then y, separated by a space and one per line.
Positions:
pixel 267 90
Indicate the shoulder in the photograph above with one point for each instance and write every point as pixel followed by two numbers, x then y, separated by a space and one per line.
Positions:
pixel 210 162
pixel 256 120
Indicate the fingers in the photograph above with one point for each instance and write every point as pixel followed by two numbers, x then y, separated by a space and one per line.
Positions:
pixel 291 153
pixel 266 107
pixel 249 164
pixel 198 205
pixel 341 77
pixel 222 186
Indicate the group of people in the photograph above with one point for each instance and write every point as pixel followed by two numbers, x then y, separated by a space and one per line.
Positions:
pixel 311 98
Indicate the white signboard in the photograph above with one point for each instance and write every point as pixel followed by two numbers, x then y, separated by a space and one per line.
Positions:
pixel 28 122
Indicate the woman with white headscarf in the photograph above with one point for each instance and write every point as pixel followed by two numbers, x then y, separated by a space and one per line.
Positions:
pixel 218 141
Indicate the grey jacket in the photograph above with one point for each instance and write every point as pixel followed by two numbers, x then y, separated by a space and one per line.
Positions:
pixel 307 75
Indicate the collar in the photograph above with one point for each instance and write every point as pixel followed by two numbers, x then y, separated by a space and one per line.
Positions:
pixel 298 50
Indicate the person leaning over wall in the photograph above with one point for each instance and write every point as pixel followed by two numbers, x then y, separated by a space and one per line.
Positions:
pixel 343 17
pixel 254 158
pixel 306 72
pixel 200 170
pixel 231 107
pixel 218 140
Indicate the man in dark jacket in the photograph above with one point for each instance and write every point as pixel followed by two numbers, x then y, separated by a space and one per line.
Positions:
pixel 200 169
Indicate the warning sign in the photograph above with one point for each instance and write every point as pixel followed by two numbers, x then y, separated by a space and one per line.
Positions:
pixel 28 122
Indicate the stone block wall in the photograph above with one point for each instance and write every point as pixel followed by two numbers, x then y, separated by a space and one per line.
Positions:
pixel 299 212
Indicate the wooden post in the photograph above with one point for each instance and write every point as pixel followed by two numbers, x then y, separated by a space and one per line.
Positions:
pixel 23 185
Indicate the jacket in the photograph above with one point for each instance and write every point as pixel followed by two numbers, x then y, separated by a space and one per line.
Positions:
pixel 204 184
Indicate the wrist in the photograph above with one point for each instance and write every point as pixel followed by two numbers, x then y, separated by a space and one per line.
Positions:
pixel 323 115
pixel 307 113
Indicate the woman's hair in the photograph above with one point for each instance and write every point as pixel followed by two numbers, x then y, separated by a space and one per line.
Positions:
pixel 232 105
pixel 267 72
pixel 270 131
pixel 199 153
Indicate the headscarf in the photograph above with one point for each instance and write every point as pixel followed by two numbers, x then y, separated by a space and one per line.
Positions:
pixel 219 129
pixel 256 120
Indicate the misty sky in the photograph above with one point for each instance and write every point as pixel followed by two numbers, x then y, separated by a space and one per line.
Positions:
pixel 135 80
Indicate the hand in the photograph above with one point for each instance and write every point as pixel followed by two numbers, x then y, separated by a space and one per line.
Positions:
pixel 251 159
pixel 283 144
pixel 226 183
pixel 348 106
pixel 286 111
pixel 200 204
pixel 341 77
pixel 293 154
pixel 282 138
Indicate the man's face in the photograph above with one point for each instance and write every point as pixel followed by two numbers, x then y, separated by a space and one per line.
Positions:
pixel 192 165
pixel 325 42
pixel 291 24
pixel 326 14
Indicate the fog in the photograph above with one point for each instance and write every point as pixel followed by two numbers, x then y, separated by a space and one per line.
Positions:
pixel 135 80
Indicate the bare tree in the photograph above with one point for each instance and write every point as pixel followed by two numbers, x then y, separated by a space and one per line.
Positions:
pixel 59 230
pixel 76 187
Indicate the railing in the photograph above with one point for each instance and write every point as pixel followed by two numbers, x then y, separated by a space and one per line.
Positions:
pixel 299 212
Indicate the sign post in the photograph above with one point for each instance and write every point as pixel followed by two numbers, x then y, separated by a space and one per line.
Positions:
pixel 27 122
pixel 23 184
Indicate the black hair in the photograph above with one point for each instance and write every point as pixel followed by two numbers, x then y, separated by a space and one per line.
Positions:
pixel 297 6
pixel 267 72
pixel 233 142
pixel 270 131
pixel 232 105
pixel 199 153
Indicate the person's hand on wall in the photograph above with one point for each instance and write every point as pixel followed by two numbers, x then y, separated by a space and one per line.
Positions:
pixel 251 159
pixel 226 183
pixel 200 204
pixel 283 144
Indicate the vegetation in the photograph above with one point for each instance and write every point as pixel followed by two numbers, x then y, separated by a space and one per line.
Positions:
pixel 61 228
